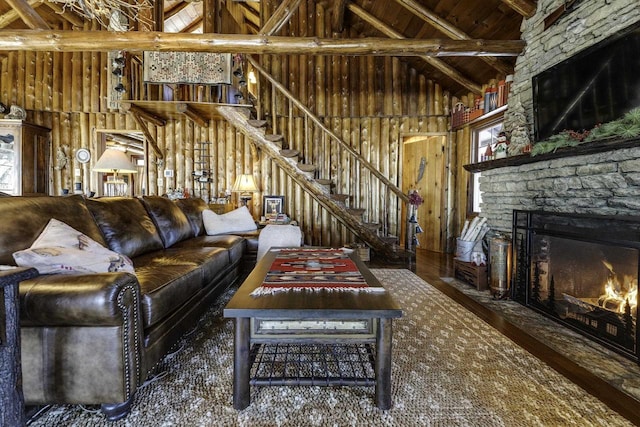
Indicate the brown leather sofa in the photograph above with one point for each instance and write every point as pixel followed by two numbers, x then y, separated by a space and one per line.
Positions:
pixel 95 338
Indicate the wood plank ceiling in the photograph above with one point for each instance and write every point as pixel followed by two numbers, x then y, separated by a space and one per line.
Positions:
pixel 486 20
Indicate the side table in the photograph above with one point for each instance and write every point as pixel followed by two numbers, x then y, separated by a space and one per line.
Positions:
pixel 11 397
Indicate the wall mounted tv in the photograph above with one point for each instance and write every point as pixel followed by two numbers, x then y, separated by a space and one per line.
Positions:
pixel 597 85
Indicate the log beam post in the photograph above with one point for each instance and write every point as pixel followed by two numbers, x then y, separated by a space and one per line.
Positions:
pixel 147 134
pixel 191 114
pixel 27 13
pixel 128 107
pixel 280 17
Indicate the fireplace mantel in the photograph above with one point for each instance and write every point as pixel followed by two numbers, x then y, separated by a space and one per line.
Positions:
pixel 598 146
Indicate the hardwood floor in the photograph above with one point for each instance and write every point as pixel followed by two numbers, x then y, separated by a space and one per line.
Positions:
pixel 431 266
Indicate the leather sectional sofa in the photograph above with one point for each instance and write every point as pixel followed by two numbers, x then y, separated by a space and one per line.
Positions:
pixel 95 338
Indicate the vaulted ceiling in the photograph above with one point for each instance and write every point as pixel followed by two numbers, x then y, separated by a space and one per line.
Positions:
pixel 486 25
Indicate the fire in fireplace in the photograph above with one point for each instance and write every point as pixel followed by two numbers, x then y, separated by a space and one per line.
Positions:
pixel 582 271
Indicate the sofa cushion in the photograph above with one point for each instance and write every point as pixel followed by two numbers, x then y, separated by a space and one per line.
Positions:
pixel 251 238
pixel 237 220
pixel 165 287
pixel 24 218
pixel 192 208
pixel 170 277
pixel 125 224
pixel 235 245
pixel 171 222
pixel 62 249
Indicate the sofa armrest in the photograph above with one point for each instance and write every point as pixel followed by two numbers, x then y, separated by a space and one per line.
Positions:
pixel 79 300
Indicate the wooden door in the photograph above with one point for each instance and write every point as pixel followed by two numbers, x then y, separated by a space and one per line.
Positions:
pixel 430 186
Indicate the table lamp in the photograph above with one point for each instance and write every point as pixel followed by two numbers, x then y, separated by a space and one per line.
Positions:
pixel 245 185
pixel 114 161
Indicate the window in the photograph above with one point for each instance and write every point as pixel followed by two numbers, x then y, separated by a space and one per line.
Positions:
pixel 482 136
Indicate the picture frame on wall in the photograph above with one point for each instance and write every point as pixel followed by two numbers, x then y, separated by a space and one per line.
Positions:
pixel 272 206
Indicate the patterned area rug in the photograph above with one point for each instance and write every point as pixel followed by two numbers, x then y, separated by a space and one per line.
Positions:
pixel 449 369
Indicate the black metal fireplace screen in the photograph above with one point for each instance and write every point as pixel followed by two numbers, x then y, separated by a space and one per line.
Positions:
pixel 581 270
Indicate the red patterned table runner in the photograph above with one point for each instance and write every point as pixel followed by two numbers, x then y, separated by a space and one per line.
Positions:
pixel 313 269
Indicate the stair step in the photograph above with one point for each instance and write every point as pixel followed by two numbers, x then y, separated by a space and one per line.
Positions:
pixel 307 168
pixel 357 212
pixel 373 226
pixel 324 181
pixel 340 197
pixel 389 240
pixel 257 123
pixel 273 137
pixel 289 153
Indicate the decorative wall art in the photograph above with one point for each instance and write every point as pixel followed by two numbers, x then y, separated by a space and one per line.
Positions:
pixel 272 205
pixel 187 67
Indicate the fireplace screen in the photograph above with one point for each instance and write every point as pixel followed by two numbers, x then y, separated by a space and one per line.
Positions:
pixel 581 271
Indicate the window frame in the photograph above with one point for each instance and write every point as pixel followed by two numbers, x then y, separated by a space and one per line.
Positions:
pixel 476 151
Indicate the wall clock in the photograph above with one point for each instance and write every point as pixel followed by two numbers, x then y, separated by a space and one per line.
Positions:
pixel 83 155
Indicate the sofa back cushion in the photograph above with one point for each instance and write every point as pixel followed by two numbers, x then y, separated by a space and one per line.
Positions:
pixel 24 218
pixel 125 225
pixel 172 224
pixel 193 208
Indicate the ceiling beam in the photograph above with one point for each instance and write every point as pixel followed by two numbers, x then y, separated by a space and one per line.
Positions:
pixel 12 15
pixel 136 41
pixel 447 69
pixel 280 17
pixel 175 9
pixel 28 14
pixel 194 25
pixel 526 8
pixel 450 30
pixel 68 15
pixel 337 16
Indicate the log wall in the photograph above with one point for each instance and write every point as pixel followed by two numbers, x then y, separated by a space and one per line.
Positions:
pixel 369 101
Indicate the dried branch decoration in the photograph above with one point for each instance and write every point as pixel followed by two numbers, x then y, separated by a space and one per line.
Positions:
pixel 112 14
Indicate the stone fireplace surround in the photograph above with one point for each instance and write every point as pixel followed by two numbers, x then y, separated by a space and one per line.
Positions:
pixel 605 183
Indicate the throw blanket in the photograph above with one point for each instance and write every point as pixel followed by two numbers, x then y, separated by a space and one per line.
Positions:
pixel 278 236
pixel 313 269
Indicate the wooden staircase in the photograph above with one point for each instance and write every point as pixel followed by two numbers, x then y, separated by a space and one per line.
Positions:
pixel 304 175
pixel 300 167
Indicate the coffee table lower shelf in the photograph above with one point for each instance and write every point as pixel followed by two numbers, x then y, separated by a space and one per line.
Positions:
pixel 312 365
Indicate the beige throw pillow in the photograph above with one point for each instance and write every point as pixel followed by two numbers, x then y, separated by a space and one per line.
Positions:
pixel 63 249
pixel 237 220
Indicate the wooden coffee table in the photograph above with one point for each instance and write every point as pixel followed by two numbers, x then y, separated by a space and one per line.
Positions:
pixel 289 327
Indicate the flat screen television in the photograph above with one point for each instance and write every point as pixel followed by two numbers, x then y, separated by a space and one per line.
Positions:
pixel 595 86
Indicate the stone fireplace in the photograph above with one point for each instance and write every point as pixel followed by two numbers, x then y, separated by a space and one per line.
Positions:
pixel 581 270
pixel 579 184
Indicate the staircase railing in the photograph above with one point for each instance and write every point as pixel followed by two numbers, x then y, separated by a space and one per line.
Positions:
pixel 336 160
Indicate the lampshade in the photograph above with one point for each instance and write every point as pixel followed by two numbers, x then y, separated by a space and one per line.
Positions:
pixel 245 183
pixel 115 161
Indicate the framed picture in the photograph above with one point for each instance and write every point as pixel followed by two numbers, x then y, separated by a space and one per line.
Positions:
pixel 272 206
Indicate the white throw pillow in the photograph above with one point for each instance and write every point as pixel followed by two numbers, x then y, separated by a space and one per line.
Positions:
pixel 237 220
pixel 63 249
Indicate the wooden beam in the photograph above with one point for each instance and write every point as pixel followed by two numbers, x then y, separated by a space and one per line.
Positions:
pixel 434 62
pixel 136 41
pixel 280 17
pixel 128 107
pixel 68 15
pixel 192 114
pixel 12 15
pixel 526 8
pixel 337 15
pixel 197 23
pixel 28 14
pixel 150 139
pixel 175 9
pixel 450 30
pixel 158 15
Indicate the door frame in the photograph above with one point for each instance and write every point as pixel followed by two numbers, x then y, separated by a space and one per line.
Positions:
pixel 445 209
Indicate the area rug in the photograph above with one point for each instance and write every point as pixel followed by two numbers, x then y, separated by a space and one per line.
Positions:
pixel 449 369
